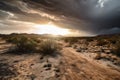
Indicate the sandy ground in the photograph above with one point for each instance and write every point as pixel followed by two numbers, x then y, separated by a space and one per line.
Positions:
pixel 76 66
pixel 28 66
pixel 70 65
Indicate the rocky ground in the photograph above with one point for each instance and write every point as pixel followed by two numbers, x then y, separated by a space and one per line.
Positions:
pixel 27 66
pixel 69 65
pixel 94 51
pixel 77 66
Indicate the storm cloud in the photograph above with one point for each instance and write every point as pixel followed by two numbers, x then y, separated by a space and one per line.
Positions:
pixel 90 16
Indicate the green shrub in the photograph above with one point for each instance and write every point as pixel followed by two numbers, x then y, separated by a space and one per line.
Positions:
pixel 48 47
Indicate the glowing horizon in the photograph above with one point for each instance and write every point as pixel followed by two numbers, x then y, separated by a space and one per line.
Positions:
pixel 51 29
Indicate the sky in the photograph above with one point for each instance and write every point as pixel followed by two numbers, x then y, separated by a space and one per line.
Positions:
pixel 79 17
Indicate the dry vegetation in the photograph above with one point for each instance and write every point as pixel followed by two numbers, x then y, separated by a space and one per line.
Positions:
pixel 33 57
pixel 105 47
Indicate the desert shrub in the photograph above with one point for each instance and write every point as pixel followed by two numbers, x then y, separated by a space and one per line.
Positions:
pixel 116 50
pixel 37 40
pixel 12 39
pixel 48 47
pixel 74 46
pixel 24 44
pixel 89 39
pixel 113 41
pixel 71 40
pixel 101 42
pixel 66 39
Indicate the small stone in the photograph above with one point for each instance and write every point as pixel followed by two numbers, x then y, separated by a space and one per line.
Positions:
pixel 78 50
pixel 32 76
pixel 57 75
pixel 47 65
pixel 15 61
pixel 48 69
pixel 31 64
pixel 41 57
pixel 57 70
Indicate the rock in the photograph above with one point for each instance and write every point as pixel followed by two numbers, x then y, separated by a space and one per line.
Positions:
pixel 48 68
pixel 78 50
pixel 98 56
pixel 31 64
pixel 32 76
pixel 41 57
pixel 16 61
pixel 107 51
pixel 57 75
pixel 57 70
pixel 48 65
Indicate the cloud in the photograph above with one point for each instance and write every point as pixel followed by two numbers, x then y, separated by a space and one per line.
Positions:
pixel 6 14
pixel 110 31
pixel 90 16
pixel 101 3
pixel 9 26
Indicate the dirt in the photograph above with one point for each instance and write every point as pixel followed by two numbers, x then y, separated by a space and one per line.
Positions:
pixel 28 66
pixel 76 66
pixel 70 65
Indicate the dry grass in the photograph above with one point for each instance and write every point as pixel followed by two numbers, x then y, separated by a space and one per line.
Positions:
pixel 49 47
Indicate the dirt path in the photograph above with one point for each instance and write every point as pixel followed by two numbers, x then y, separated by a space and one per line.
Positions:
pixel 78 67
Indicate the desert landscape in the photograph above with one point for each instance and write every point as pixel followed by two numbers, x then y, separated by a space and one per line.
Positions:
pixel 59 39
pixel 35 57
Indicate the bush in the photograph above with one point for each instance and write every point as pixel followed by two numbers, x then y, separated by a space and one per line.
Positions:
pixel 89 39
pixel 26 45
pixel 71 40
pixel 74 46
pixel 23 44
pixel 48 47
pixel 116 50
pixel 101 42
pixel 13 40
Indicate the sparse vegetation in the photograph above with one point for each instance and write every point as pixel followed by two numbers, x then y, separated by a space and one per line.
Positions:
pixel 116 50
pixel 26 45
pixel 71 40
pixel 101 42
pixel 13 40
pixel 23 44
pixel 48 47
pixel 74 46
pixel 85 50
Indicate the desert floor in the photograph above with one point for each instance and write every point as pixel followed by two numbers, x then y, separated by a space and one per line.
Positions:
pixel 69 65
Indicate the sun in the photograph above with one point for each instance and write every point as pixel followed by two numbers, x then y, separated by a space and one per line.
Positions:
pixel 51 29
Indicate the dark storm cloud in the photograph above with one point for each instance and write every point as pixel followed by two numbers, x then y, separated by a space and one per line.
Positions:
pixel 21 11
pixel 94 16
pixel 100 15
